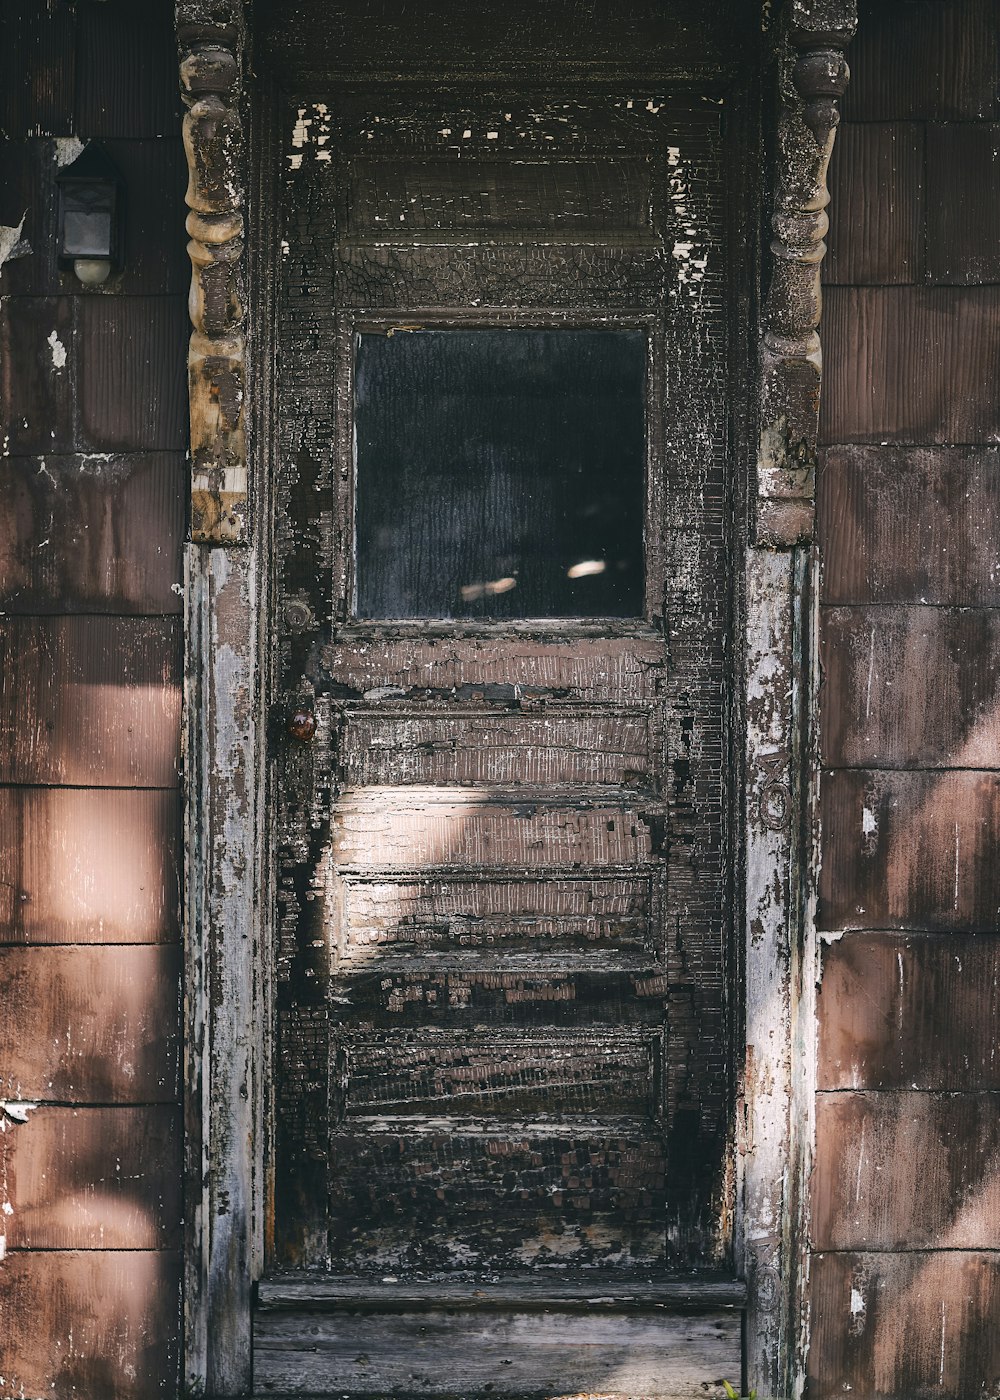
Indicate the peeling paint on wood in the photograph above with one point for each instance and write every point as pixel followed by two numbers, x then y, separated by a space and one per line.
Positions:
pixel 502 952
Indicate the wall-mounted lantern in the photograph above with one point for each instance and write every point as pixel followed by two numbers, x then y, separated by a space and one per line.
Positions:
pixel 91 209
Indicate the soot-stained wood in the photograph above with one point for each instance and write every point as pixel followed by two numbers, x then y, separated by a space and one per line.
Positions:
pixel 557 671
pixel 918 1324
pixel 924 60
pixel 37 378
pixel 27 206
pixel 131 356
pixel 347 39
pixel 911 365
pixel 93 532
pixel 90 700
pixel 104 1024
pixel 83 865
pixel 154 172
pixel 517 916
pixel 502 747
pixel 912 850
pixel 910 687
pixel 100 1322
pixel 910 525
pixel 963 205
pixel 428 828
pixel 876 204
pixel 38 69
pixel 127 83
pixel 541 804
pixel 902 1171
pixel 329 1292
pixel 93 1178
pixel 918 1012
pixel 514 1352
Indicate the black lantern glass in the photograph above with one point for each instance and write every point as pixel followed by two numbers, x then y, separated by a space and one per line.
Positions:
pixel 91 208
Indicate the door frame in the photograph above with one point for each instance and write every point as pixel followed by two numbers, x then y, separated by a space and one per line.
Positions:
pixel 228 689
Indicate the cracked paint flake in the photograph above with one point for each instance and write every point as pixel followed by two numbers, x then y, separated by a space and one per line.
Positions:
pixel 58 350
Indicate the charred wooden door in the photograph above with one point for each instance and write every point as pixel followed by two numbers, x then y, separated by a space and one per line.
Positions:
pixel 502 1012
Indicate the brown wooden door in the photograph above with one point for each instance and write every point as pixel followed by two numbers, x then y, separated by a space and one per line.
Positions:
pixel 501 999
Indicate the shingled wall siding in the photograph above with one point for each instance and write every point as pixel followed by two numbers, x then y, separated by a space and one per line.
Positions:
pixel 92 476
pixel 906 1203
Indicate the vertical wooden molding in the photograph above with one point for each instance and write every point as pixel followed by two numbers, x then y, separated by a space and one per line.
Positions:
pixel 211 36
pixel 811 75
pixel 223 763
pixel 776 1108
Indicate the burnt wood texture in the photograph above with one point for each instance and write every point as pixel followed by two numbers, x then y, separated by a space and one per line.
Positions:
pixel 91 482
pixel 503 957
pixel 905 1191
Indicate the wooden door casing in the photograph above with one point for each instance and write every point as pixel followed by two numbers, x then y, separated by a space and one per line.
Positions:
pixel 503 1011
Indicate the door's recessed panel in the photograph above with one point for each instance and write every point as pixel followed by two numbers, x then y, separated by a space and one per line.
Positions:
pixel 500 473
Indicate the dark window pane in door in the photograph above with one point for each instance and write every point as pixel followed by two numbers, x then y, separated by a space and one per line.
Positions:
pixel 500 473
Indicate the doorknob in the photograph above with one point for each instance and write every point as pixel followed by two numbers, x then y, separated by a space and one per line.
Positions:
pixel 301 723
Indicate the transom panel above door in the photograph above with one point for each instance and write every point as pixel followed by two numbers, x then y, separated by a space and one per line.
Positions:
pixel 503 1016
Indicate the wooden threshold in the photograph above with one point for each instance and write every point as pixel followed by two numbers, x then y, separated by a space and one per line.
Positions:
pixel 675 1293
pixel 667 1338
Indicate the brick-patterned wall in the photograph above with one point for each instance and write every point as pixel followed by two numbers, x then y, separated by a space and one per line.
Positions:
pixel 906 1193
pixel 92 473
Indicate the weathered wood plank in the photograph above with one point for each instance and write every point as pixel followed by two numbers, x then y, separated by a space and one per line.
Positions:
pixel 37 345
pixel 963 205
pixel 103 1323
pixel 906 1171
pixel 132 356
pixel 127 82
pixel 394 200
pixel 514 1353
pixel 876 204
pixel 27 203
pixel 910 850
pixel 911 364
pixel 600 1071
pixel 88 866
pixel 516 916
pixel 496 748
pixel 923 60
pixel 93 1178
pixel 919 1324
pixel 411 829
pixel 375 40
pixel 92 533
pixel 155 175
pixel 910 687
pixel 105 1024
pixel 603 1293
pixel 37 70
pixel 622 671
pixel 477 992
pixel 90 700
pixel 448 1194
pixel 915 1012
pixel 910 525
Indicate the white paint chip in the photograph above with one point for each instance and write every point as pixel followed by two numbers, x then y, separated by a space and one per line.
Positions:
pixel 58 351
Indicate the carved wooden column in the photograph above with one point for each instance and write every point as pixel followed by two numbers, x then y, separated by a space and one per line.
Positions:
pixel 811 74
pixel 211 35
pixel 224 768
pixel 775 1128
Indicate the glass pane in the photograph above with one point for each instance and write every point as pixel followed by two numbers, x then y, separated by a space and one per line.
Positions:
pixel 500 473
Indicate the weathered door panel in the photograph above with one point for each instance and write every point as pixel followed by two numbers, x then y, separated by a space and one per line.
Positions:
pixel 502 962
